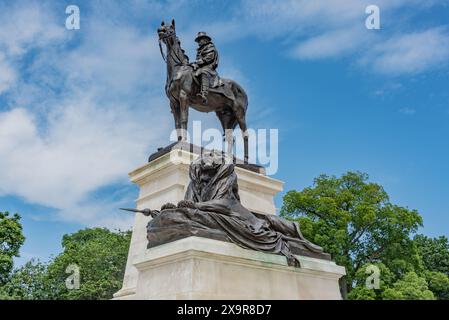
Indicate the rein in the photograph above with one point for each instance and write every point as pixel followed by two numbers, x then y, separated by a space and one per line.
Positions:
pixel 173 53
pixel 162 52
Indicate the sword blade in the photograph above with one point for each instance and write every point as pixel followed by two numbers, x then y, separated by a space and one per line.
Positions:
pixel 132 210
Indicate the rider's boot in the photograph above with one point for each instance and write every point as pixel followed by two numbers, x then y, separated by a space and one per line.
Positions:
pixel 204 88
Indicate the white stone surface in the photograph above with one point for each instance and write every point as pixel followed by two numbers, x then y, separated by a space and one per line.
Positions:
pixel 165 180
pixel 199 268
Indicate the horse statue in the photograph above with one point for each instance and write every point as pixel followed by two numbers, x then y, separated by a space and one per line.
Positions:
pixel 229 101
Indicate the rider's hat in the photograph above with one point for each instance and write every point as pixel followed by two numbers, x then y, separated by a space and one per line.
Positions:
pixel 202 35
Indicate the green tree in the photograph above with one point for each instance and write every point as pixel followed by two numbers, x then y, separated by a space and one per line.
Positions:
pixel 100 255
pixel 29 282
pixel 434 253
pixel 410 287
pixel 355 222
pixel 362 292
pixel 438 283
pixel 11 239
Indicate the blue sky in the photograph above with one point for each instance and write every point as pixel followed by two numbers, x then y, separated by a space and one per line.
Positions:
pixel 79 109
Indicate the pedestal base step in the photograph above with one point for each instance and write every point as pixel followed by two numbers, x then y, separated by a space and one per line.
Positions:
pixel 200 268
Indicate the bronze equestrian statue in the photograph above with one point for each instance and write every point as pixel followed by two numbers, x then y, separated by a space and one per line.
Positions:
pixel 197 85
pixel 211 207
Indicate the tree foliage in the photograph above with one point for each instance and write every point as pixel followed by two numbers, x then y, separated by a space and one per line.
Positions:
pixel 99 254
pixel 29 282
pixel 101 257
pixel 435 253
pixel 410 287
pixel 438 283
pixel 362 292
pixel 11 239
pixel 355 222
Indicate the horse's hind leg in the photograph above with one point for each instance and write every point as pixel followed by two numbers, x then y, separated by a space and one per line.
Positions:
pixel 228 122
pixel 242 124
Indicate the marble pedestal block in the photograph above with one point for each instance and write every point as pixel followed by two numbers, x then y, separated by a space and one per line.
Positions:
pixel 164 179
pixel 199 268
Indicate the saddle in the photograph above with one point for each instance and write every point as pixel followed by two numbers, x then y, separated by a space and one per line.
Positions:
pixel 217 85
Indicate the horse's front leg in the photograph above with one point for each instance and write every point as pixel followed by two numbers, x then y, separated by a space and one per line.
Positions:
pixel 184 109
pixel 176 111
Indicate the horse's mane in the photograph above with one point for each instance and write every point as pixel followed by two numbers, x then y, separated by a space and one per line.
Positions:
pixel 181 50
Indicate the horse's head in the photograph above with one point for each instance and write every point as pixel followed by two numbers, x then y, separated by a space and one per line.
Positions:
pixel 167 33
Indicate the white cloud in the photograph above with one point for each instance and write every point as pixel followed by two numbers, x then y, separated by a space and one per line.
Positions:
pixel 23 28
pixel 330 44
pixel 118 58
pixel 407 111
pixel 336 28
pixel 26 25
pixel 298 20
pixel 411 53
pixel 7 74
pixel 83 148
pixel 82 118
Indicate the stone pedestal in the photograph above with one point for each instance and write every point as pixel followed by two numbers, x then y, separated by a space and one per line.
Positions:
pixel 199 268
